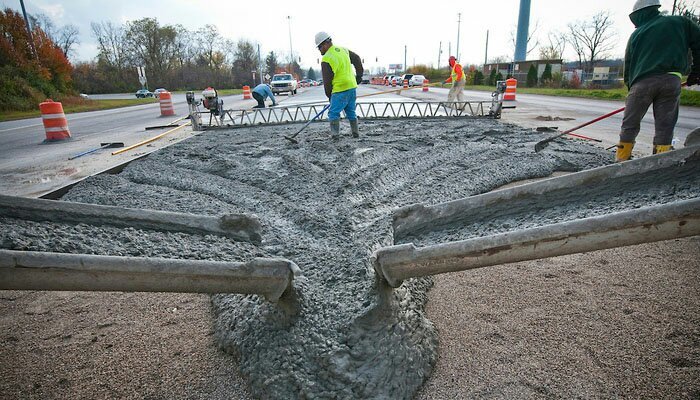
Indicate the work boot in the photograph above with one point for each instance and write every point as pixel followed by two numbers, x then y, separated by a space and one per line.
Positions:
pixel 661 148
pixel 354 129
pixel 624 151
pixel 335 128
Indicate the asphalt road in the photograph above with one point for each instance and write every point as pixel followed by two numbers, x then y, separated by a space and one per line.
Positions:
pixel 28 167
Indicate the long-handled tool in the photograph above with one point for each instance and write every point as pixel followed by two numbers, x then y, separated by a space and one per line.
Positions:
pixel 291 138
pixel 102 146
pixel 542 144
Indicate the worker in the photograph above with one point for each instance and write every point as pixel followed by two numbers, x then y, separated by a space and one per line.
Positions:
pixel 339 82
pixel 262 92
pixel 457 79
pixel 655 59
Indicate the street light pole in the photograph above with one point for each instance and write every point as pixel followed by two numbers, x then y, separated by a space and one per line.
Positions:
pixel 291 52
pixel 459 22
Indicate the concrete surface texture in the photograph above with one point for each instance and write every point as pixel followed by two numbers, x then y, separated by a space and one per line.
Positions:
pixel 327 205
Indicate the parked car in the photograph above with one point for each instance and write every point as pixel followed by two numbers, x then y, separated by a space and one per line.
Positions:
pixel 406 77
pixel 84 96
pixel 143 93
pixel 157 92
pixel 284 83
pixel 365 78
pixel 416 80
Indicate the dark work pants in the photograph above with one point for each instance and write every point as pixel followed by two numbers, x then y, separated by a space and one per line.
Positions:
pixel 664 92
pixel 260 99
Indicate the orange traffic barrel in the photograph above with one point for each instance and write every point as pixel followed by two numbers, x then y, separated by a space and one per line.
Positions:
pixel 55 123
pixel 405 83
pixel 425 85
pixel 393 82
pixel 386 81
pixel 246 93
pixel 166 104
pixel 511 86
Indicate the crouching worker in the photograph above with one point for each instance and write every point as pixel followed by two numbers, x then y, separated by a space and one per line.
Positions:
pixel 262 92
pixel 339 81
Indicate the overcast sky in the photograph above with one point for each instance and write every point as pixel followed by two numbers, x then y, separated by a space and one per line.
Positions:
pixel 370 28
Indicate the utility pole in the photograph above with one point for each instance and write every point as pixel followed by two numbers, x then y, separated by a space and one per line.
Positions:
pixel 439 54
pixel 673 12
pixel 405 51
pixel 291 52
pixel 29 29
pixel 486 54
pixel 459 22
pixel 260 66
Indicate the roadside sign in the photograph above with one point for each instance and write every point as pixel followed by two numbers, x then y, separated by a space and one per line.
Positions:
pixel 267 77
pixel 142 80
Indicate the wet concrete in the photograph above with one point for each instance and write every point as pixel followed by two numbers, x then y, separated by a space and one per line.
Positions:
pixel 326 205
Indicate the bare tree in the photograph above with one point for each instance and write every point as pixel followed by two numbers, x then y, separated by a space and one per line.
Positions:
pixel 592 39
pixel 532 40
pixel 67 38
pixel 110 43
pixel 682 8
pixel 501 60
pixel 554 50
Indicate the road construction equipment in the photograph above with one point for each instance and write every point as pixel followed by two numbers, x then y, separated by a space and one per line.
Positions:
pixel 543 143
pixel 102 146
pixel 243 227
pixel 526 203
pixel 29 270
pixel 292 137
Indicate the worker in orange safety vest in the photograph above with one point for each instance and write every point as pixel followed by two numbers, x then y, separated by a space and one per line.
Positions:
pixel 458 79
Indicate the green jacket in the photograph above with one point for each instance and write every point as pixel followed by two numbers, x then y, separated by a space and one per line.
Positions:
pixel 660 45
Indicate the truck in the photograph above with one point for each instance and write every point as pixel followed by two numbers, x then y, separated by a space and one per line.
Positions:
pixel 284 83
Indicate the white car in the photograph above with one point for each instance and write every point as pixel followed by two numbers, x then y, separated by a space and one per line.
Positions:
pixel 416 80
pixel 284 83
pixel 157 92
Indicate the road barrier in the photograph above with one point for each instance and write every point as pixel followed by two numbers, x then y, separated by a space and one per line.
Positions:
pixel 425 85
pixel 511 86
pixel 166 104
pixel 405 83
pixel 246 93
pixel 55 123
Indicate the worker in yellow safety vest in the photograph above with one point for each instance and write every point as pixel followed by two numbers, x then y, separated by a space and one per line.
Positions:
pixel 340 82
pixel 458 79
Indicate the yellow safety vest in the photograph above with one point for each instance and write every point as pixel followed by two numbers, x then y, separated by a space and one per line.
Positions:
pixel 343 76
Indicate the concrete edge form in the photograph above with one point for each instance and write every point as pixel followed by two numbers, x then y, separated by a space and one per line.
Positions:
pixel 644 225
pixel 29 270
pixel 416 217
pixel 235 226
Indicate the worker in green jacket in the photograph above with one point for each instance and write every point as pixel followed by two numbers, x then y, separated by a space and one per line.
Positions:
pixel 339 81
pixel 655 59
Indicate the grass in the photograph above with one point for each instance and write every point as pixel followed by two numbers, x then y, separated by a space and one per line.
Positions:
pixel 688 97
pixel 76 104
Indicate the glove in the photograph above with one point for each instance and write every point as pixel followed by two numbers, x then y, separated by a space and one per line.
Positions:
pixel 693 79
pixel 358 79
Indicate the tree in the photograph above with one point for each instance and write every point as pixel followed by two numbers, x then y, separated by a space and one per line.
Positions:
pixel 150 44
pixel 110 43
pixel 532 76
pixel 682 8
pixel 478 77
pixel 546 74
pixel 245 61
pixel 555 47
pixel 68 37
pixel 592 39
pixel 491 80
pixel 311 74
pixel 271 63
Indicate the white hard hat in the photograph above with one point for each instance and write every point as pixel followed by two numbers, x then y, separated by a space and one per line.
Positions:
pixel 639 4
pixel 321 37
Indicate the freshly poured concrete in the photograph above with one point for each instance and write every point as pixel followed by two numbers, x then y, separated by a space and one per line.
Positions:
pixel 326 205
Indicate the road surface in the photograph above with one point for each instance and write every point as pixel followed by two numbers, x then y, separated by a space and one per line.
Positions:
pixel 31 168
